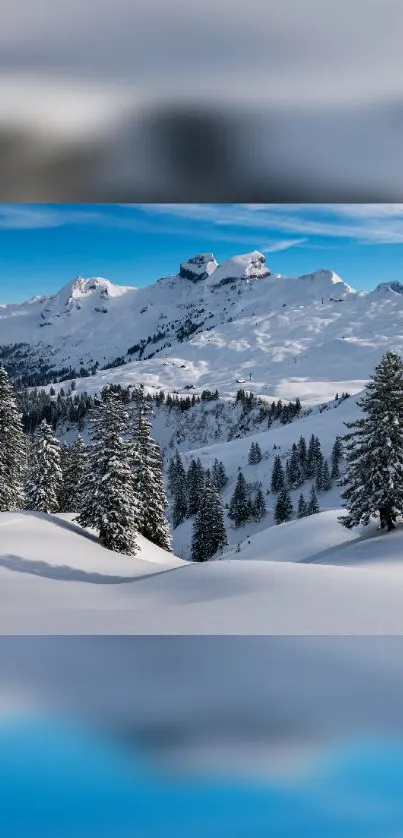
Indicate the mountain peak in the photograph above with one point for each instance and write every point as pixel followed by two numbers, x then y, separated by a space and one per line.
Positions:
pixel 198 267
pixel 246 266
pixel 80 287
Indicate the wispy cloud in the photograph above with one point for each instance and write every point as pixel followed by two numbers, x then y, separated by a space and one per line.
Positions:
pixel 363 223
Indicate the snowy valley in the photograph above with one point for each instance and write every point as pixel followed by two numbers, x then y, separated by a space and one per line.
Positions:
pixel 238 366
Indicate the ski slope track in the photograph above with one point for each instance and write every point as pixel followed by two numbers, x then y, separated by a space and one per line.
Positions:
pixel 213 325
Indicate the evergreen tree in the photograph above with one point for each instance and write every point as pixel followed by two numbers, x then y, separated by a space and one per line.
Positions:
pixel 295 476
pixel 219 474
pixel 239 508
pixel 373 483
pixel 302 451
pixel 302 507
pixel 255 454
pixel 284 510
pixel 313 506
pixel 336 457
pixel 319 467
pixel 149 482
pixel 44 476
pixel 178 490
pixel 72 462
pixel 313 458
pixel 259 506
pixel 209 533
pixel 277 478
pixel 195 486
pixel 107 499
pixel 180 504
pixel 326 479
pixel 13 449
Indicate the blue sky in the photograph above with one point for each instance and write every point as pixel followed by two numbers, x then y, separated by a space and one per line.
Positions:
pixel 43 246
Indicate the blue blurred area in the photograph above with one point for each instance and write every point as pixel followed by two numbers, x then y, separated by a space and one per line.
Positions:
pixel 58 780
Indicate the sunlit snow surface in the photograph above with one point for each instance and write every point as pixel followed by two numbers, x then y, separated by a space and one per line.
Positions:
pixel 60 781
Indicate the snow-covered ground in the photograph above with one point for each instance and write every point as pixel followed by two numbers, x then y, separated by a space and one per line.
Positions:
pixel 54 578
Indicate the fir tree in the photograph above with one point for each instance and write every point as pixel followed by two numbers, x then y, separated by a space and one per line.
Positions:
pixel 313 506
pixel 107 499
pixel 302 452
pixel 219 474
pixel 336 457
pixel 302 507
pixel 373 483
pixel 72 461
pixel 259 506
pixel 149 482
pixel 13 449
pixel 44 476
pixel 255 454
pixel 209 533
pixel 239 508
pixel 195 486
pixel 277 478
pixel 326 479
pixel 284 510
pixel 295 475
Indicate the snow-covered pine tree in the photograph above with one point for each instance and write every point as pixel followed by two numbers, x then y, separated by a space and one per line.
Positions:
pixel 319 476
pixel 195 486
pixel 179 493
pixel 239 508
pixel 259 506
pixel 373 483
pixel 252 455
pixel 148 466
pixel 176 474
pixel 302 507
pixel 209 533
pixel 302 451
pixel 107 499
pixel 313 506
pixel 255 454
pixel 44 477
pixel 284 509
pixel 72 465
pixel 336 457
pixel 13 449
pixel 219 474
pixel 296 476
pixel 277 478
pixel 326 479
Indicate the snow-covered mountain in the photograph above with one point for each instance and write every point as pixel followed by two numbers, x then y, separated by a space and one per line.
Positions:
pixel 210 325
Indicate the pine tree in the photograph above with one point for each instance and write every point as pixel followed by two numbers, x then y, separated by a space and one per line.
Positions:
pixel 255 454
pixel 259 506
pixel 284 509
pixel 373 483
pixel 302 507
pixel 176 474
pixel 13 449
pixel 209 533
pixel 149 482
pixel 326 479
pixel 44 476
pixel 72 463
pixel 277 478
pixel 107 499
pixel 336 457
pixel 313 506
pixel 239 508
pixel 195 486
pixel 295 476
pixel 302 451
pixel 319 476
pixel 219 474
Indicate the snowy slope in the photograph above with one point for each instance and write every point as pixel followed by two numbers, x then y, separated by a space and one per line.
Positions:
pixel 211 325
pixel 56 579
